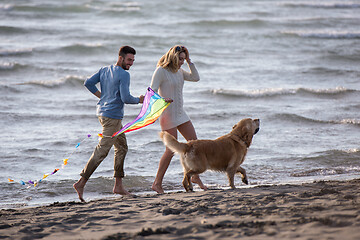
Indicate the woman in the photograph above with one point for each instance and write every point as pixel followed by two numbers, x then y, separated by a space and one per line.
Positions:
pixel 168 81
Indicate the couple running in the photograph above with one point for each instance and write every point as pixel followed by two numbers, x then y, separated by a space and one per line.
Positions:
pixel 168 80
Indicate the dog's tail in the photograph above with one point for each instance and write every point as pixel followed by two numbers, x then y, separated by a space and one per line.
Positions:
pixel 173 144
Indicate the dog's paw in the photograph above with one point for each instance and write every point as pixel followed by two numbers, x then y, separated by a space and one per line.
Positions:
pixel 245 181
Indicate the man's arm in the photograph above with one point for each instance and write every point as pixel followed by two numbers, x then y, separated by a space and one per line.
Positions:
pixel 91 82
pixel 126 97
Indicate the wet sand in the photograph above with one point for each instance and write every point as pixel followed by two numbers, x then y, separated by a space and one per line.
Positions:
pixel 319 210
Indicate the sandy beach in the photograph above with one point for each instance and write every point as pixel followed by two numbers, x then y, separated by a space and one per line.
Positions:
pixel 318 210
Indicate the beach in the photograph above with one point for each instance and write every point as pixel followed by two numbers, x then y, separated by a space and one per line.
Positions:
pixel 317 210
pixel 292 64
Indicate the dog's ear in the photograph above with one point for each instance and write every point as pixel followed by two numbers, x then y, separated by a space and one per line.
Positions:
pixel 246 135
pixel 248 138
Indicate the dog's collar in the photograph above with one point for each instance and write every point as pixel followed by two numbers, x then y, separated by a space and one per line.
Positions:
pixel 236 138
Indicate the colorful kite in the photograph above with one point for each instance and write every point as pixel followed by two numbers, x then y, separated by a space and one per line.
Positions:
pixel 152 108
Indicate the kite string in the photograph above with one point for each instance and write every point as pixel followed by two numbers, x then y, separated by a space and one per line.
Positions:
pixel 65 161
pixel 34 183
pixel 77 145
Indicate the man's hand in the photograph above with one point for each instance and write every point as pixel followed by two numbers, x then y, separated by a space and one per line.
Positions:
pixel 98 94
pixel 141 99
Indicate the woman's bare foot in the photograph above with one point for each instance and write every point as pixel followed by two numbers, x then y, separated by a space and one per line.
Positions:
pixel 196 179
pixel 157 188
pixel 79 188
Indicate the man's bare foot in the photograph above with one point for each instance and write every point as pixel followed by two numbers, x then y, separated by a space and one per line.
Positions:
pixel 196 179
pixel 121 191
pixel 79 188
pixel 119 188
pixel 157 188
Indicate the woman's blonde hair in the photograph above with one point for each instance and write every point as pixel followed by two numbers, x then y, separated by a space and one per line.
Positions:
pixel 170 60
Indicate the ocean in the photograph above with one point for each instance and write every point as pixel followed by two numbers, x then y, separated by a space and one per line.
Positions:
pixel 293 64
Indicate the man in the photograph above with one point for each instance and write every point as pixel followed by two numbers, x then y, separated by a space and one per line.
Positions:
pixel 114 82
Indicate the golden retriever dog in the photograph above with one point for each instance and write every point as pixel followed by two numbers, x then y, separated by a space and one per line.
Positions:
pixel 224 154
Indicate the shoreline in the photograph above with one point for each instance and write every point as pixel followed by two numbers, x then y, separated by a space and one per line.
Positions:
pixel 330 209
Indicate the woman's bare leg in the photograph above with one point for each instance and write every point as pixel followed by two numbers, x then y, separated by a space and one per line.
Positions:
pixel 163 165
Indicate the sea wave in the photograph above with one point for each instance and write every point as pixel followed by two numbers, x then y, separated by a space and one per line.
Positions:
pixel 324 4
pixel 274 92
pixel 11 116
pixel 12 30
pixel 324 34
pixel 298 118
pixel 6 88
pixel 332 71
pixel 326 171
pixel 50 8
pixel 15 52
pixel 67 81
pixel 229 23
pixel 53 9
pixel 117 7
pixel 6 66
pixel 343 161
pixel 6 7
pixel 82 48
pixel 348 121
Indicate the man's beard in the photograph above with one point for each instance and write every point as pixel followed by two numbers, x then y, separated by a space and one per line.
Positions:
pixel 124 66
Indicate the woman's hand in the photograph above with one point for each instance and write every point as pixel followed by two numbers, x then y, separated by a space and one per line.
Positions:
pixel 188 60
pixel 168 100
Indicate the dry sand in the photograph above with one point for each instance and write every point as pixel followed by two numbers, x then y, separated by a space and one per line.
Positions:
pixel 319 210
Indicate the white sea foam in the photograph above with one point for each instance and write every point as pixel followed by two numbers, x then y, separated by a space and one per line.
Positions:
pixel 330 34
pixel 270 92
pixel 6 65
pixel 20 51
pixel 68 80
pixel 323 4
pixel 6 7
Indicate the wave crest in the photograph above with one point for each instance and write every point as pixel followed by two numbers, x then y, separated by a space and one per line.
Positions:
pixel 273 92
pixel 5 66
pixel 298 118
pixel 82 48
pixel 67 81
pixel 339 5
pixel 349 163
pixel 15 52
pixel 324 34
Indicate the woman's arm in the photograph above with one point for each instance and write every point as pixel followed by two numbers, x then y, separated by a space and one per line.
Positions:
pixel 193 75
pixel 157 79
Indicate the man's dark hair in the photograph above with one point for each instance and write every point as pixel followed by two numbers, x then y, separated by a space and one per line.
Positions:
pixel 126 50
